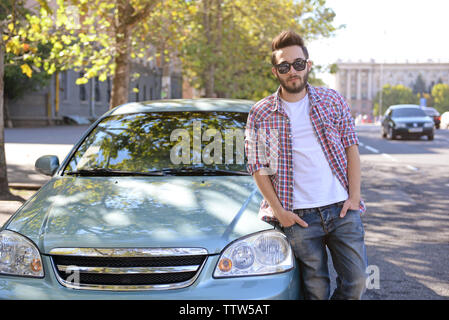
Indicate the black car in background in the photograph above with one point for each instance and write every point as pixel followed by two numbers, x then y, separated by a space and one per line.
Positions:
pixel 434 114
pixel 407 120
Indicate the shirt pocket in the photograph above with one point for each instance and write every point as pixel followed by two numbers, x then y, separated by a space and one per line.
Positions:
pixel 268 135
pixel 331 133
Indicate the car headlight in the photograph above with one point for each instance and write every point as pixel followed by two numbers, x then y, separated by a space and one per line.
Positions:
pixel 400 125
pixel 428 124
pixel 263 253
pixel 19 256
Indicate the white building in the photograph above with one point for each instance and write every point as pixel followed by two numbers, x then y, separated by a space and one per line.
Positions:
pixel 359 82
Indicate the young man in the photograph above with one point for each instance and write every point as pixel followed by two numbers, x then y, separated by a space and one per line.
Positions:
pixel 312 188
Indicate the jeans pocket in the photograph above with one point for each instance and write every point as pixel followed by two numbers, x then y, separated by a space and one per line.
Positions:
pixel 287 230
pixel 356 216
pixel 355 211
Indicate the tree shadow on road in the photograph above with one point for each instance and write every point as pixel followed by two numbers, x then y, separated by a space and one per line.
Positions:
pixel 407 232
pixel 407 273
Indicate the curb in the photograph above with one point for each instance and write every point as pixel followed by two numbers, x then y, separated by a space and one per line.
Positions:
pixel 25 186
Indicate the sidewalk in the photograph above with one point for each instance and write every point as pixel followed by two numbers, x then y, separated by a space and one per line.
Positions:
pixel 23 146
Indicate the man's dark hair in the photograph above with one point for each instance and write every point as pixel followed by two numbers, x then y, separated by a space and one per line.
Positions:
pixel 287 39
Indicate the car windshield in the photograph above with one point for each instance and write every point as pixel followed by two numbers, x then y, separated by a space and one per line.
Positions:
pixel 159 143
pixel 407 112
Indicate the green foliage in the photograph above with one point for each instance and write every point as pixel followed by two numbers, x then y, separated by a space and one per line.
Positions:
pixel 440 94
pixel 419 87
pixel 224 45
pixel 333 68
pixel 18 47
pixel 19 80
pixel 391 95
pixel 17 83
pixel 229 45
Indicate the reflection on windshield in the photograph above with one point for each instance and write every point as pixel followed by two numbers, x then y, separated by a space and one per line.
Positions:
pixel 146 142
pixel 411 112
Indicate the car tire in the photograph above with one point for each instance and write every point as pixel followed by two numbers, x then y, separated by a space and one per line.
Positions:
pixel 430 137
pixel 391 134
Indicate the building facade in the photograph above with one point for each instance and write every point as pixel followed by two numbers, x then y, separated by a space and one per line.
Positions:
pixel 359 82
pixel 87 101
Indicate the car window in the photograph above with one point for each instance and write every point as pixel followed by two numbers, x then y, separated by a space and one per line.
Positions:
pixel 407 112
pixel 431 112
pixel 145 142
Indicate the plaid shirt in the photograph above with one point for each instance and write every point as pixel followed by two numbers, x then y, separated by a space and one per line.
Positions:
pixel 268 141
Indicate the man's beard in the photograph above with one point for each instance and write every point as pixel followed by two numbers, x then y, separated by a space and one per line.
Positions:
pixel 294 88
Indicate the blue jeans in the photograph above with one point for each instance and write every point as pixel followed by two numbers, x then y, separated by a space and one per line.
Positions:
pixel 345 239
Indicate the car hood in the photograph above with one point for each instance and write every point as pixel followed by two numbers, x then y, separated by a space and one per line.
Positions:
pixel 412 119
pixel 140 212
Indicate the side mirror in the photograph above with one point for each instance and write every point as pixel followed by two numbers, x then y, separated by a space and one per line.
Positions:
pixel 47 165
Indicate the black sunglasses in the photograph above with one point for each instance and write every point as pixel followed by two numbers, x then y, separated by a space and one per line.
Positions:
pixel 284 67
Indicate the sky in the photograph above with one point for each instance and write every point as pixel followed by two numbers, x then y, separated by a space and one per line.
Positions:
pixel 386 31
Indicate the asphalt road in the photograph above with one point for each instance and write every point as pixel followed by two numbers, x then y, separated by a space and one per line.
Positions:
pixel 405 185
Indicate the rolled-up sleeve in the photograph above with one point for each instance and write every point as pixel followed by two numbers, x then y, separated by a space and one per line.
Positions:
pixel 346 126
pixel 256 156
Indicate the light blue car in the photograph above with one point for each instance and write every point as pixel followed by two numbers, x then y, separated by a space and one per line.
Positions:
pixel 153 202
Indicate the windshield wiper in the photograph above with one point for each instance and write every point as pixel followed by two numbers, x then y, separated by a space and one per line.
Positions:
pixel 184 171
pixel 111 172
pixel 193 171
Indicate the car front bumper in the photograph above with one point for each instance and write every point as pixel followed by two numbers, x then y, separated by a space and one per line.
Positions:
pixel 407 132
pixel 282 286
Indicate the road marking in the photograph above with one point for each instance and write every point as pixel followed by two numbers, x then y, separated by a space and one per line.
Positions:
pixel 361 144
pixel 386 155
pixel 390 157
pixel 372 149
pixel 447 184
pixel 444 139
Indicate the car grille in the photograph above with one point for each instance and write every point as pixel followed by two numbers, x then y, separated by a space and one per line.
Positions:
pixel 127 269
pixel 414 124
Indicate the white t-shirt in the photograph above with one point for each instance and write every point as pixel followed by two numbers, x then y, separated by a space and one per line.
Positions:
pixel 314 183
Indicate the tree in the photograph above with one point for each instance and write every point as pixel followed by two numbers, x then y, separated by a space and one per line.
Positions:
pixel 167 28
pixel 228 49
pixel 391 95
pixel 101 38
pixel 17 83
pixel 15 49
pixel 440 94
pixel 419 87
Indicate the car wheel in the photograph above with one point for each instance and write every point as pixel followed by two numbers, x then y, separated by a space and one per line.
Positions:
pixel 390 134
pixel 430 137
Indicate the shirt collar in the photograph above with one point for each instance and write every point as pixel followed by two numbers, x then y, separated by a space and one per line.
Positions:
pixel 314 98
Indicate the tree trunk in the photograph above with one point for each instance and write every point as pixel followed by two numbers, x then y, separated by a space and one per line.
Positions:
pixel 210 70
pixel 6 117
pixel 213 24
pixel 166 80
pixel 4 188
pixel 120 82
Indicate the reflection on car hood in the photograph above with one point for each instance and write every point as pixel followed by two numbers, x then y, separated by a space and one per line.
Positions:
pixel 412 119
pixel 168 211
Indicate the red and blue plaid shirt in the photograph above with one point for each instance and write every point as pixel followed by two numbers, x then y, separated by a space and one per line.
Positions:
pixel 268 141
